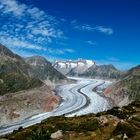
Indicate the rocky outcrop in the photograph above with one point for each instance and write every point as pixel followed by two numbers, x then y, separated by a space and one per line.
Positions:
pixel 57 135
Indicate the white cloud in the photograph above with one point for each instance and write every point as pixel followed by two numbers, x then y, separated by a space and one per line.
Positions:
pixel 92 43
pixel 69 50
pixel 29 27
pixel 60 51
pixel 18 44
pixel 89 28
pixel 105 30
pixel 15 43
pixel 12 6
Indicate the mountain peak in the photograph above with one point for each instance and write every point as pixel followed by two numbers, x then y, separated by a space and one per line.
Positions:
pixel 36 60
pixel 4 51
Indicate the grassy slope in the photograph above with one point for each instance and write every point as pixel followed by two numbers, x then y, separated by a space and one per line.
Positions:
pixel 14 82
pixel 119 122
pixel 14 73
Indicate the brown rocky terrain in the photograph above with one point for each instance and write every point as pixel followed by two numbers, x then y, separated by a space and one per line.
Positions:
pixel 18 106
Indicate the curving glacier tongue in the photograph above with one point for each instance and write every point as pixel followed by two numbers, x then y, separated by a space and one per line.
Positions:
pixel 77 99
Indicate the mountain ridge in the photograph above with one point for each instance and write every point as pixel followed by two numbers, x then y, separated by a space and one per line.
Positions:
pixel 14 73
pixel 126 89
pixel 87 68
pixel 43 69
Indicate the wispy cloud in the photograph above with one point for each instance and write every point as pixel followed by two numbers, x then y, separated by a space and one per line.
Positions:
pixel 92 43
pixel 105 30
pixel 28 27
pixel 12 6
pixel 89 28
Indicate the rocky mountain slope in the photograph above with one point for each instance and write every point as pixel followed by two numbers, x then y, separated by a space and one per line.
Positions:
pixel 127 89
pixel 22 89
pixel 43 69
pixel 115 124
pixel 15 73
pixel 103 71
pixel 21 105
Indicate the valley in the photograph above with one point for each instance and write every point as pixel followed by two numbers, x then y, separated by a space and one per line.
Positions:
pixel 34 90
pixel 76 99
pixel 69 70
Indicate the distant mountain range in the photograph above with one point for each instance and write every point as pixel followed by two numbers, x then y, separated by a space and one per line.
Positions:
pixel 87 68
pixel 18 74
pixel 73 67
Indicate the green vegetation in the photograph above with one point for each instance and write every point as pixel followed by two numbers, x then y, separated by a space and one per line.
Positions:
pixel 13 82
pixel 15 73
pixel 117 126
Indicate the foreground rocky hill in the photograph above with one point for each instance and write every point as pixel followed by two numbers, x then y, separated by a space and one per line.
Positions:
pixel 115 124
pixel 127 89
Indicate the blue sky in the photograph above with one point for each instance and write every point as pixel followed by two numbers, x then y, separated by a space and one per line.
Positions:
pixel 107 31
